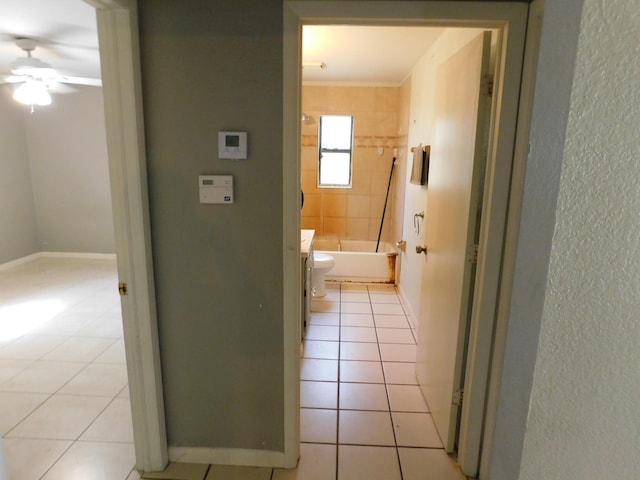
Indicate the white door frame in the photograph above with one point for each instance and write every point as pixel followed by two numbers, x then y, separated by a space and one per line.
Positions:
pixel 510 20
pixel 120 63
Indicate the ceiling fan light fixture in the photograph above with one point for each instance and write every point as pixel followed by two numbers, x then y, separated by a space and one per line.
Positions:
pixel 32 92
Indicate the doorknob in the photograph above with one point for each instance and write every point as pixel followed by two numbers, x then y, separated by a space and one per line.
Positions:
pixel 421 249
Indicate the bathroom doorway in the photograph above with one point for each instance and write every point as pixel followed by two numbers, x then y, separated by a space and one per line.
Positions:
pixel 502 135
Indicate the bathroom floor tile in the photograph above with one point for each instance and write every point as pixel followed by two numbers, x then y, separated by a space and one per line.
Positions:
pixel 358 334
pixel 387 309
pixel 359 351
pixel 318 394
pixel 387 297
pixel 10 367
pixel 62 417
pixel 322 332
pixel 356 320
pixel 231 472
pixel 325 319
pixel 363 396
pixel 354 287
pixel 406 398
pixel 400 373
pixel 319 370
pixel 355 307
pixel 370 463
pixel 332 295
pixel 95 461
pixel 415 430
pixel 380 288
pixel 354 297
pixel 365 428
pixel 325 307
pixel 395 335
pixel 321 349
pixel 317 462
pixel 428 464
pixel 398 352
pixel 391 321
pixel 357 371
pixel 318 426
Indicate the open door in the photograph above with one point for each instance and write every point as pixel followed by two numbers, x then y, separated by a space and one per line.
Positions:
pixel 454 200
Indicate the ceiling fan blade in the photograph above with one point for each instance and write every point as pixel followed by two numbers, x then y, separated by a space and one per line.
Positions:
pixel 94 82
pixel 9 78
pixel 60 88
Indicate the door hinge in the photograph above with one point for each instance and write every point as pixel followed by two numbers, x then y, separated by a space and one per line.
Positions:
pixel 457 397
pixel 122 288
pixel 472 253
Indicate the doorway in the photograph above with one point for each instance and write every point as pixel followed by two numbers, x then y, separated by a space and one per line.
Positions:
pixel 504 113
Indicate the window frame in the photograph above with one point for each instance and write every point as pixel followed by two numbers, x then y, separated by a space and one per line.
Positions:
pixel 348 151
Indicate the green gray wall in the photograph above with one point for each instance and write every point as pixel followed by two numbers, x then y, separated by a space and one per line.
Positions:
pixel 206 67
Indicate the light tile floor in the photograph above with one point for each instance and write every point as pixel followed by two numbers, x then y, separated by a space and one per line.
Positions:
pixel 64 407
pixel 64 401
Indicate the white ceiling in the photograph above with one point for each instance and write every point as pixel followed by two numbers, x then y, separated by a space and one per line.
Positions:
pixel 64 29
pixel 359 54
pixel 67 38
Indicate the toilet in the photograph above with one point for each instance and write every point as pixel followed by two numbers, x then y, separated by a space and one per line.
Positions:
pixel 322 263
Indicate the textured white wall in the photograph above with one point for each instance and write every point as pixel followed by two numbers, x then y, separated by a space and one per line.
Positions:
pixel 583 421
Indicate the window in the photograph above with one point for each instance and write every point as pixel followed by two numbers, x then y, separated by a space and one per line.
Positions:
pixel 336 144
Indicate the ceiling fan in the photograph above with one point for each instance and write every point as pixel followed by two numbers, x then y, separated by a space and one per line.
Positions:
pixel 35 78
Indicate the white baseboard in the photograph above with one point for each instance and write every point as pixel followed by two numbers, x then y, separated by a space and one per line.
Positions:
pixel 19 261
pixel 413 319
pixel 229 456
pixel 88 256
pixel 35 256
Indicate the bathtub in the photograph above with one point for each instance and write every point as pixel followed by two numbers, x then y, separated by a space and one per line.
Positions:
pixel 357 260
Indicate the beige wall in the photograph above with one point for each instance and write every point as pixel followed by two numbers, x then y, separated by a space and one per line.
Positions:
pixel 351 213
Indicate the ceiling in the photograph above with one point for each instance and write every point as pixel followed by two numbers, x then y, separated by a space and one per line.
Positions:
pixel 66 34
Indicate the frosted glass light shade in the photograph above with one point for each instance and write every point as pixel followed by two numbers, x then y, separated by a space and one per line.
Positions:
pixel 32 92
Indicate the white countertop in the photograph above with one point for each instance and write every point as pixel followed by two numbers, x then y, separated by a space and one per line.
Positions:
pixel 306 240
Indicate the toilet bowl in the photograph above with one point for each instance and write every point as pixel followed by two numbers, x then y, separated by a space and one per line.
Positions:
pixel 322 263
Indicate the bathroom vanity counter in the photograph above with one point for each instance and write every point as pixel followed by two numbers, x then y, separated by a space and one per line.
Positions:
pixel 306 262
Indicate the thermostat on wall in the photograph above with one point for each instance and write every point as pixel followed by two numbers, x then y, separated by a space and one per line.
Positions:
pixel 232 145
pixel 216 189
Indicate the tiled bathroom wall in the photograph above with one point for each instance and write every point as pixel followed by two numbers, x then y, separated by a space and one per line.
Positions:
pixel 353 213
